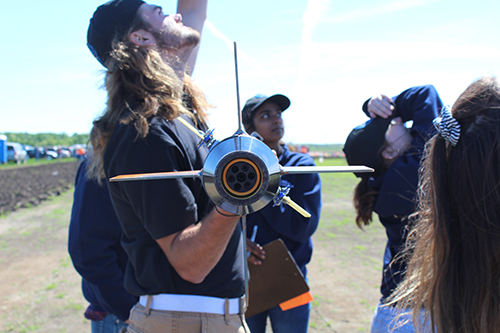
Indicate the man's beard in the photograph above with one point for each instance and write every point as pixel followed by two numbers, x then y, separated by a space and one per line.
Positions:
pixel 181 39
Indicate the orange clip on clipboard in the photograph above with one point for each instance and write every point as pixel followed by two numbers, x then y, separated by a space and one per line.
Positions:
pixel 297 301
pixel 278 281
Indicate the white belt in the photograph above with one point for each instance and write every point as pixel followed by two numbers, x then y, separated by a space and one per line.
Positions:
pixel 192 303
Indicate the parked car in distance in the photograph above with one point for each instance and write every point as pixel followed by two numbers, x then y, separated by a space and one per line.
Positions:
pixel 30 150
pixel 50 153
pixel 16 152
pixel 64 152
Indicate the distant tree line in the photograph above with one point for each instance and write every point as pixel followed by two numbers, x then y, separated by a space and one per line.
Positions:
pixel 326 148
pixel 47 139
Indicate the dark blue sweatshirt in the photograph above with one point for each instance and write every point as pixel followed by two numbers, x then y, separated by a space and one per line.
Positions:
pixel 283 221
pixel 397 186
pixel 94 247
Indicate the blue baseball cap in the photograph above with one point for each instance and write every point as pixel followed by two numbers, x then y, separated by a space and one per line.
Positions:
pixel 364 143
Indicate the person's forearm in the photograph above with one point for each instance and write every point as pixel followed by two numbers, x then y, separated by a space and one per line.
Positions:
pixel 196 250
pixel 194 14
pixel 194 9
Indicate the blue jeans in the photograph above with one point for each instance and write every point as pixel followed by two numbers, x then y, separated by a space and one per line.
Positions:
pixel 386 320
pixel 110 324
pixel 294 320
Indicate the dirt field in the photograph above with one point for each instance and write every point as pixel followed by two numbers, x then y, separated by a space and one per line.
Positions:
pixel 40 290
pixel 26 186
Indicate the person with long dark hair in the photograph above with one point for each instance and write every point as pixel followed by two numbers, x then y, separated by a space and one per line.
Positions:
pixel 394 151
pixel 454 247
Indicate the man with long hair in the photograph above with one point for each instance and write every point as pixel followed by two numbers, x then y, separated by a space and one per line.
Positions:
pixel 186 259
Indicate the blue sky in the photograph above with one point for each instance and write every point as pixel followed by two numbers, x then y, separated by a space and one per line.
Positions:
pixel 328 57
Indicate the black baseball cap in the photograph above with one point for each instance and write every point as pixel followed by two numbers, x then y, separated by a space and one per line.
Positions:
pixel 110 19
pixel 363 145
pixel 253 104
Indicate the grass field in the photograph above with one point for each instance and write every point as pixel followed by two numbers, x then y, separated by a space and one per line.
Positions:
pixel 40 290
pixel 345 271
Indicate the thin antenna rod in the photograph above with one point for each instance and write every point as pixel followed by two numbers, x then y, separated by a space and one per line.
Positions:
pixel 240 122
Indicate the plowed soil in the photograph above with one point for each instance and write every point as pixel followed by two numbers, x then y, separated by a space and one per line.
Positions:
pixel 30 185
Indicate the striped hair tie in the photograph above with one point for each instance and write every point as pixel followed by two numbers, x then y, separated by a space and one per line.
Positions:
pixel 447 126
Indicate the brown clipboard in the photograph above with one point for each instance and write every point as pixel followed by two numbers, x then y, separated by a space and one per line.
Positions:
pixel 277 280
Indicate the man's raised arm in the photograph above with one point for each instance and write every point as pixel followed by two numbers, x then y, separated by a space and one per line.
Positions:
pixel 194 14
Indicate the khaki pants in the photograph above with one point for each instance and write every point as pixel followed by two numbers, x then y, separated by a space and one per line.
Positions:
pixel 183 322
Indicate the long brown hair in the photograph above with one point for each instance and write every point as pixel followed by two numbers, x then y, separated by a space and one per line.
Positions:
pixel 365 196
pixel 454 247
pixel 138 80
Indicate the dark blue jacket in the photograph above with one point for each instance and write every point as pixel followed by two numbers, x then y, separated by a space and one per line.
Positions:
pixel 397 186
pixel 283 221
pixel 95 249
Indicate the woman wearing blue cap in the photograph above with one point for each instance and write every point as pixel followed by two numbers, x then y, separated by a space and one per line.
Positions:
pixel 262 118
